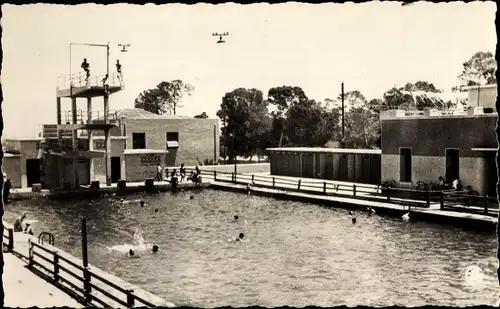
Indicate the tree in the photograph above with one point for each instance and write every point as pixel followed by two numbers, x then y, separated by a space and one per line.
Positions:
pixel 479 69
pixel 201 116
pixel 421 86
pixel 310 124
pixel 410 97
pixel 282 98
pixel 166 97
pixel 245 121
pixel 363 129
pixel 352 99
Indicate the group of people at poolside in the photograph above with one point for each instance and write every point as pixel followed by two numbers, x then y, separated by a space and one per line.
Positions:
pixel 194 177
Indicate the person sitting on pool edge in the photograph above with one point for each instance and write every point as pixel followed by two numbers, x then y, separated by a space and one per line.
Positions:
pixel 18 224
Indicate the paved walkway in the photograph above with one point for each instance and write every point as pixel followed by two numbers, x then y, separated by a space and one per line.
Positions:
pixel 25 289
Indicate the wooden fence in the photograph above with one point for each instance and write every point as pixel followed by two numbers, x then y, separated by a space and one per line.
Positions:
pixel 448 200
pixel 465 202
pixel 8 238
pixel 89 286
pixel 415 198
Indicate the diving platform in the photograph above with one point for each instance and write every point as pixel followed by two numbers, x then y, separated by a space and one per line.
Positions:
pixel 77 85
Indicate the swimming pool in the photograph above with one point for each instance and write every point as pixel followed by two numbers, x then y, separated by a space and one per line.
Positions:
pixel 293 253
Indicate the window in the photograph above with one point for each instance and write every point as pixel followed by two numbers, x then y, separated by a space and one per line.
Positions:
pixel 139 140
pixel 405 164
pixel 172 140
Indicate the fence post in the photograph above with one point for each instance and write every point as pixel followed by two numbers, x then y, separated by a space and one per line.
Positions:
pixel 86 285
pixel 56 266
pixel 468 199
pixel 388 193
pixel 130 298
pixel 10 246
pixel 486 204
pixel 273 182
pixel 324 187
pixel 253 177
pixel 232 177
pixel 441 201
pixel 30 253
pixel 215 175
pixel 428 198
pixel 298 185
pixel 353 190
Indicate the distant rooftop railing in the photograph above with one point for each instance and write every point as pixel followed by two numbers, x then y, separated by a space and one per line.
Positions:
pixel 82 116
pixel 471 111
pixel 80 80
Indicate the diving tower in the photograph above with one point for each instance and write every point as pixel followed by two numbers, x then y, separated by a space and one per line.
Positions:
pixel 63 139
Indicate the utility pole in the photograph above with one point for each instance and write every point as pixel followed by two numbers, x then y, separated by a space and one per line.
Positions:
pixel 343 112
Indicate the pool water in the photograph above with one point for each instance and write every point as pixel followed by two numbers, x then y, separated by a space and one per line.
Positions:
pixel 293 253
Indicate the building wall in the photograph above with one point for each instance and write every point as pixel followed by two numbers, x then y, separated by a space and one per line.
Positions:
pixel 485 97
pixel 99 164
pixel 472 171
pixel 350 167
pixel 430 137
pixel 197 141
pixel 11 166
pixel 139 167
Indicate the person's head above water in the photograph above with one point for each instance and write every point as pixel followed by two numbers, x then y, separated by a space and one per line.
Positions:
pixel 353 220
pixel 235 217
pixel 131 252
pixel 191 197
pixel 155 248
pixel 142 203
pixel 156 210
pixel 241 235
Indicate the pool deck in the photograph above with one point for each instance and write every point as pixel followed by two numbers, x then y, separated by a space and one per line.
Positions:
pixel 26 193
pixel 19 279
pixel 432 213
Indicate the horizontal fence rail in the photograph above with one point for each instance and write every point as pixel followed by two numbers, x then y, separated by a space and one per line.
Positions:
pixel 86 283
pixel 402 196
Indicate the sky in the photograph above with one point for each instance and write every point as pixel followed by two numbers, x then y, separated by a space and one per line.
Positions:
pixel 370 47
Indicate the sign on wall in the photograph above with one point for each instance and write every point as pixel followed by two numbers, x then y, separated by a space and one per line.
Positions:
pixel 150 159
pixel 99 145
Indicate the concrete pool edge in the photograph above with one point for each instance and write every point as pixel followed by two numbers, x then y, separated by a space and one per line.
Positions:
pixel 458 219
pixel 133 187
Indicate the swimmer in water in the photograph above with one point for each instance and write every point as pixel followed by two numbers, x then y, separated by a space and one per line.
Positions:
pixel 236 218
pixel 155 248
pixel 156 210
pixel 90 202
pixel 142 203
pixel 350 213
pixel 240 238
pixel 191 197
pixel 132 254
pixel 353 220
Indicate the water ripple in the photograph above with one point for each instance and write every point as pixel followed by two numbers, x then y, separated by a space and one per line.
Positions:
pixel 294 254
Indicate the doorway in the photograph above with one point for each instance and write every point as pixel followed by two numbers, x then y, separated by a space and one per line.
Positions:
pixel 33 171
pixel 115 169
pixel 452 165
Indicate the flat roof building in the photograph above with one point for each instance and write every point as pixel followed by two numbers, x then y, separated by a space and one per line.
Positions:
pixel 424 145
